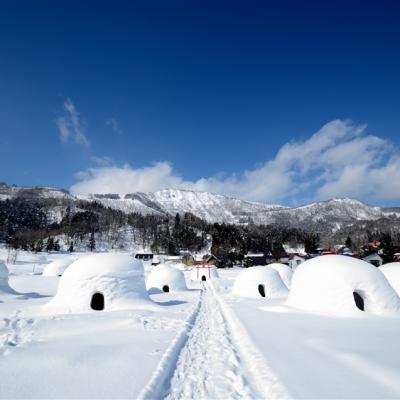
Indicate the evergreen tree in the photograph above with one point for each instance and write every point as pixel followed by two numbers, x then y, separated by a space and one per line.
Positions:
pixel 349 243
pixel 92 242
pixel 50 244
pixel 71 247
pixel 311 243
pixel 387 248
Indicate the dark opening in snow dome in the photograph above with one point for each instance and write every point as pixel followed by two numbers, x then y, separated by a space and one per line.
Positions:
pixel 359 301
pixel 203 278
pixel 97 302
pixel 165 288
pixel 261 290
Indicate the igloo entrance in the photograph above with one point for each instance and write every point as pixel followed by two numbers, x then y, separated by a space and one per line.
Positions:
pixel 97 302
pixel 359 300
pixel 165 288
pixel 203 278
pixel 261 290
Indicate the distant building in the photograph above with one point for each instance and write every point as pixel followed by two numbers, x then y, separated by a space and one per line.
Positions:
pixel 374 259
pixel 144 255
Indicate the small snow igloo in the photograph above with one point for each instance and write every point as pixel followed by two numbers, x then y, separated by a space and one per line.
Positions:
pixel 204 273
pixel 4 286
pixel 166 279
pixel 256 282
pixel 392 273
pixel 284 271
pixel 102 282
pixel 341 285
pixel 57 267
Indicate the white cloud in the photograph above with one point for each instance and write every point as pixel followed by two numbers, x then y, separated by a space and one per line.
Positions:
pixel 69 125
pixel 114 125
pixel 340 160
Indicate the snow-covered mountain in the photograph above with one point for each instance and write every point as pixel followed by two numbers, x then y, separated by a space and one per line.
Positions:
pixel 218 208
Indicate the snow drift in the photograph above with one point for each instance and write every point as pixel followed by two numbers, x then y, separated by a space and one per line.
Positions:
pixel 4 286
pixel 256 282
pixel 392 273
pixel 166 278
pixel 341 285
pixel 57 267
pixel 102 282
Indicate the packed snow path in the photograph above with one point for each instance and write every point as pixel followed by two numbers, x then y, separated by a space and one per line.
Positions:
pixel 209 364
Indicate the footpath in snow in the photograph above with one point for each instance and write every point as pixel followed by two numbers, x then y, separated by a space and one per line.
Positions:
pixel 208 363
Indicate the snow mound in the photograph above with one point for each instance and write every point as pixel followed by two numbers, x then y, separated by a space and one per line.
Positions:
pixel 4 286
pixel 166 278
pixel 392 273
pixel 256 282
pixel 284 271
pixel 102 282
pixel 204 273
pixel 57 267
pixel 178 266
pixel 341 285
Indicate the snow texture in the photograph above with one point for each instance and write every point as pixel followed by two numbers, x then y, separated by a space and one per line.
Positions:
pixel 327 284
pixel 204 273
pixel 392 273
pixel 248 282
pixel 57 267
pixel 119 278
pixel 163 276
pixel 284 271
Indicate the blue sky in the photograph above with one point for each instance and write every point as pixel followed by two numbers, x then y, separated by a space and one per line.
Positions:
pixel 220 96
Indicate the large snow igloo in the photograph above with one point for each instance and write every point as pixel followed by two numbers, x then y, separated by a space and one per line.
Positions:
pixel 102 282
pixel 57 267
pixel 256 282
pixel 165 278
pixel 204 273
pixel 341 285
pixel 392 273
pixel 4 286
pixel 284 271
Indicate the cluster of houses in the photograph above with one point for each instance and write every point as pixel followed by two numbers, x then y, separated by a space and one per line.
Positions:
pixel 290 258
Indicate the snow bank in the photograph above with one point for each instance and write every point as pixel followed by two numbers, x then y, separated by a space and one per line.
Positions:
pixel 284 271
pixel 102 281
pixel 57 267
pixel 392 273
pixel 4 286
pixel 259 282
pixel 166 278
pixel 332 284
pixel 204 273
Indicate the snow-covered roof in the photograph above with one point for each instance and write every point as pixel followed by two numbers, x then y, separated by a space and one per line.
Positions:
pixel 327 284
pixel 163 276
pixel 248 282
pixel 118 278
pixel 373 256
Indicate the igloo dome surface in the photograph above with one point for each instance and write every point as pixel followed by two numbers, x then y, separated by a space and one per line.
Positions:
pixel 102 282
pixel 204 273
pixel 341 285
pixel 392 273
pixel 57 267
pixel 166 279
pixel 256 282
pixel 284 271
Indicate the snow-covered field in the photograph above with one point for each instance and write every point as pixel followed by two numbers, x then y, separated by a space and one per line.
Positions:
pixel 197 343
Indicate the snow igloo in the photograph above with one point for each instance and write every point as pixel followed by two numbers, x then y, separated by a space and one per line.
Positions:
pixel 57 267
pixel 256 282
pixel 102 282
pixel 204 273
pixel 4 286
pixel 341 285
pixel 392 273
pixel 166 279
pixel 284 271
